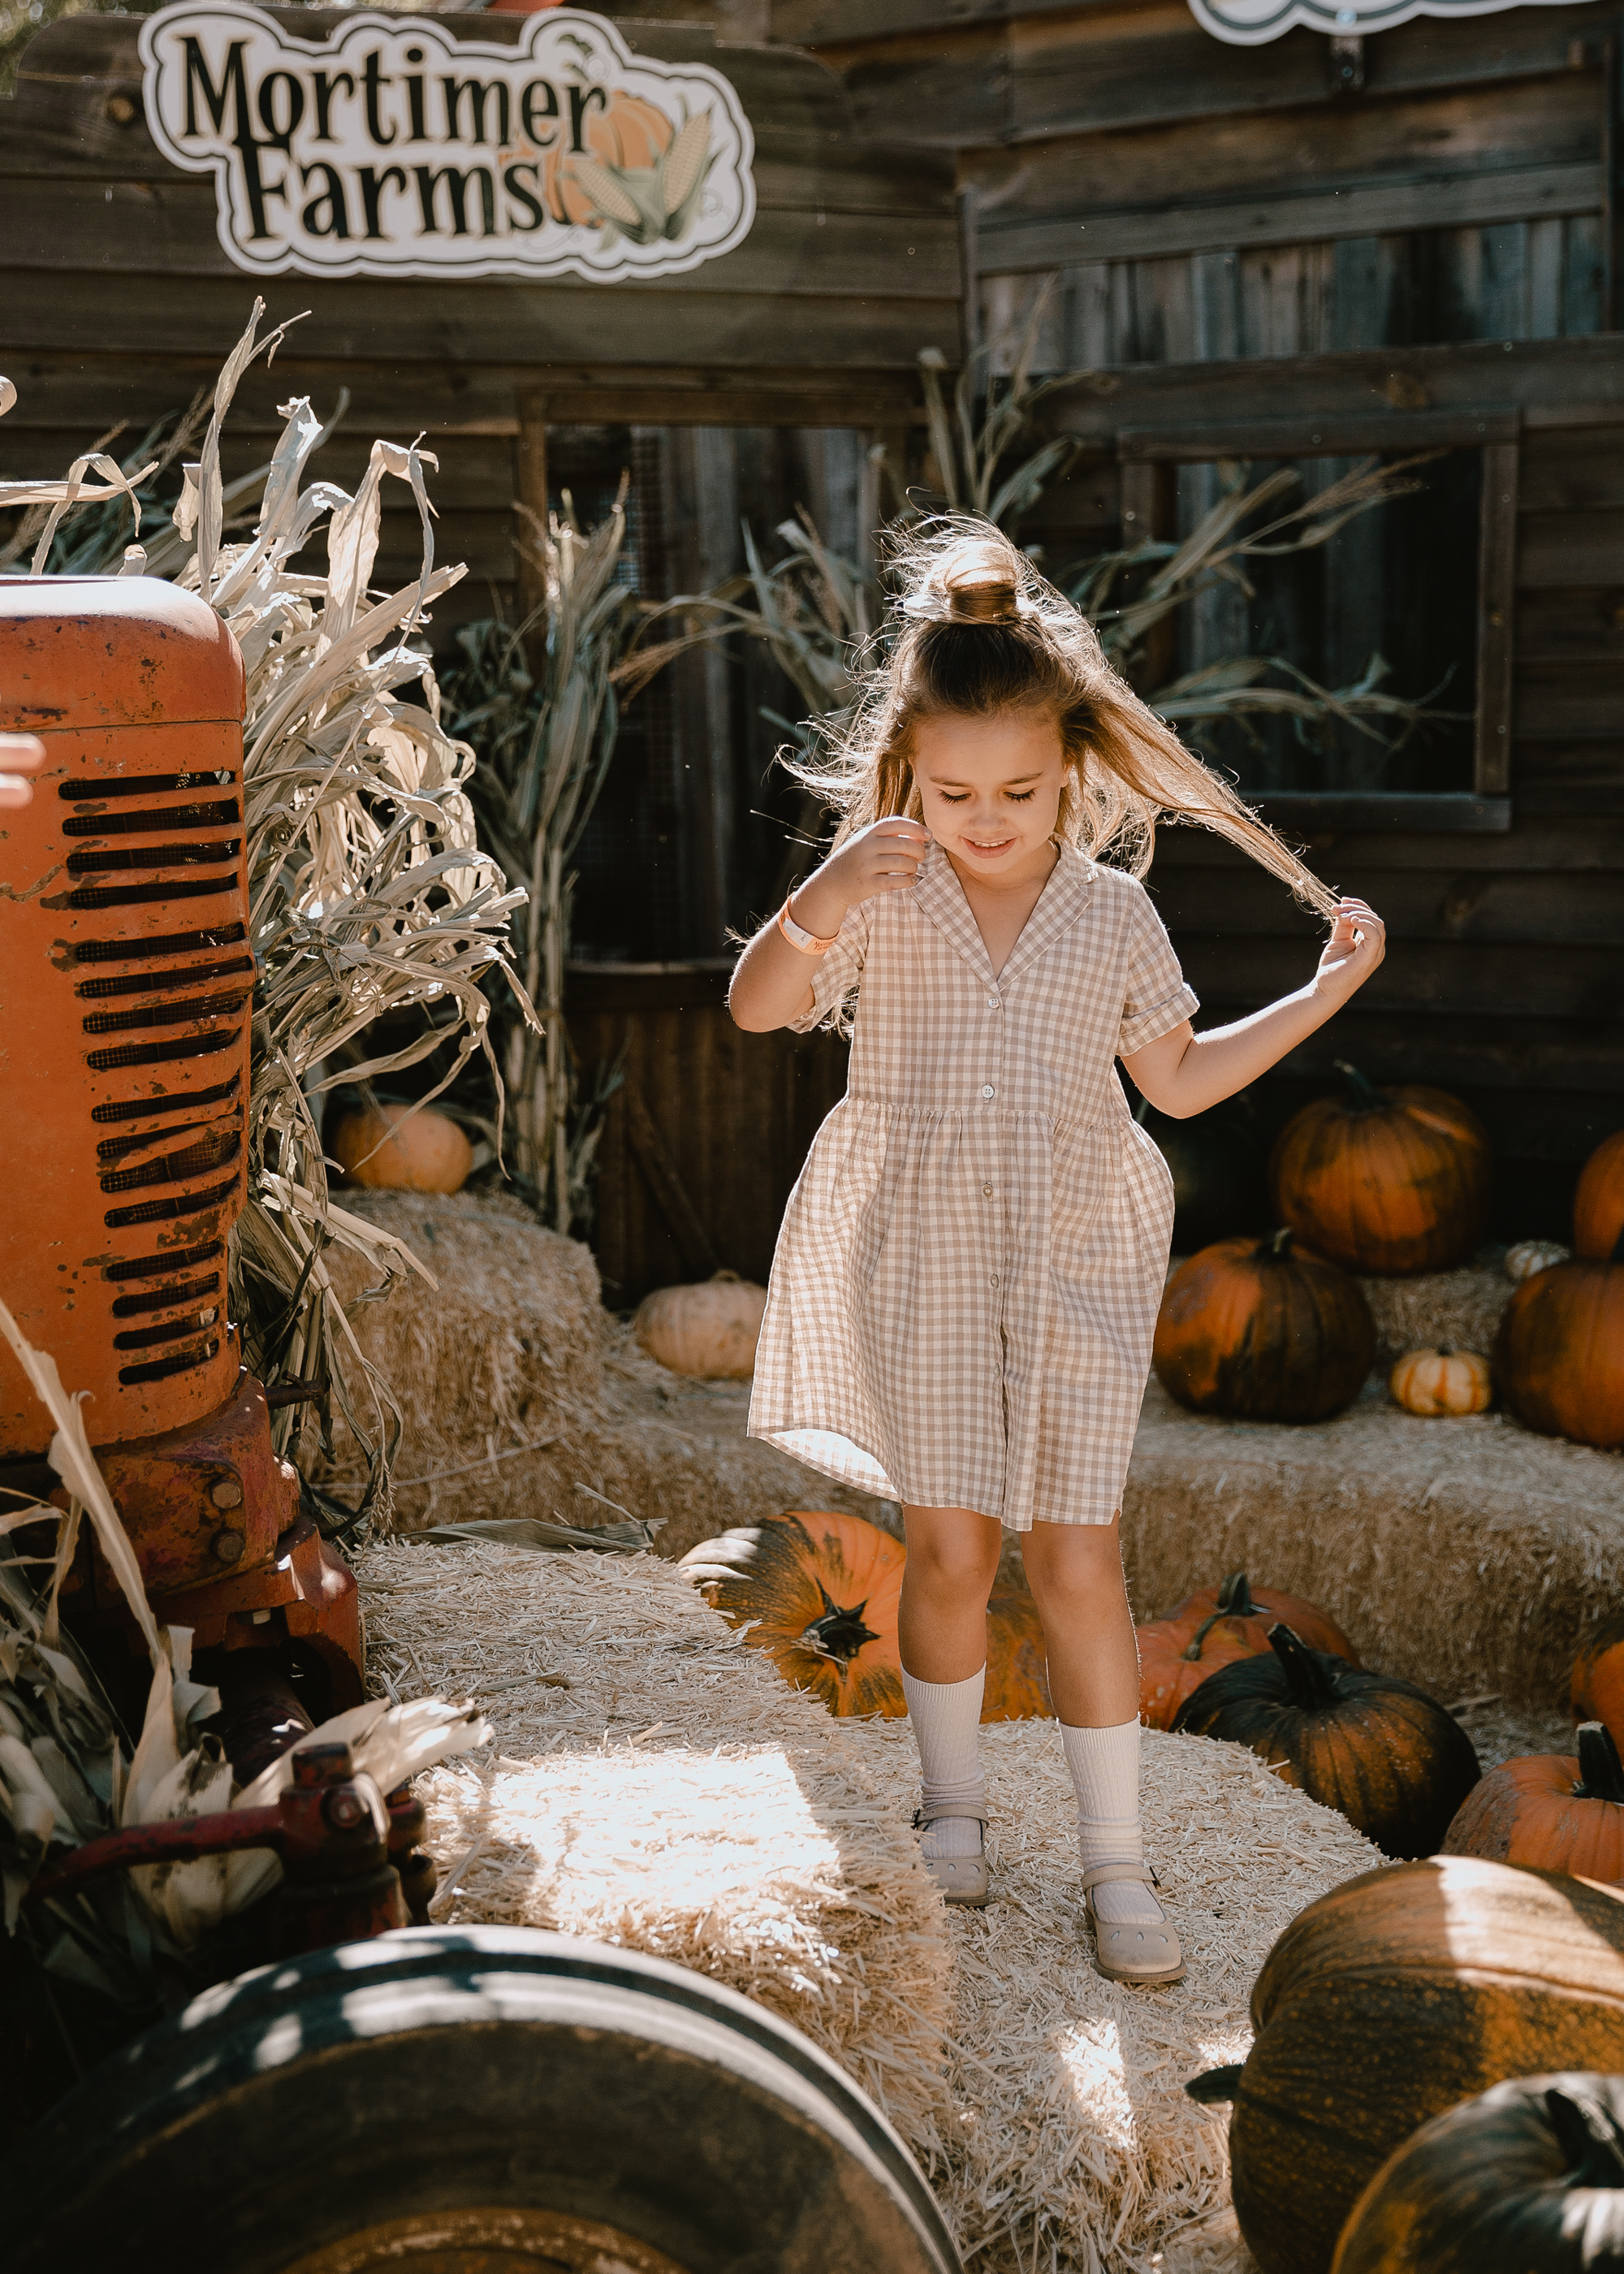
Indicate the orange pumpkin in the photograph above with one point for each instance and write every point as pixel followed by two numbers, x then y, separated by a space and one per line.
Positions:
pixel 823 1590
pixel 1212 1628
pixel 1263 1331
pixel 1551 1811
pixel 399 1151
pixel 1385 1181
pixel 631 132
pixel 1017 1688
pixel 1599 1204
pixel 1597 1691
pixel 1441 1381
pixel 1559 1356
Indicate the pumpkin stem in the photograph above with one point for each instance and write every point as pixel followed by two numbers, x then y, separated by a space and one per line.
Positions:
pixel 1589 2136
pixel 1278 1244
pixel 1601 1775
pixel 1214 2085
pixel 1235 1599
pixel 1306 1682
pixel 1363 1095
pixel 1192 1652
pixel 839 1634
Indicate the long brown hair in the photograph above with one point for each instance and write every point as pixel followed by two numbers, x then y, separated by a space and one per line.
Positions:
pixel 984 633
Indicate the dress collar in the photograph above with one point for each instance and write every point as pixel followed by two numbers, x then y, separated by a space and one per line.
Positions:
pixel 939 894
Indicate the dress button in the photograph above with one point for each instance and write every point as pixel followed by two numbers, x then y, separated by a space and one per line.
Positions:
pixel 992 1002
pixel 988 1091
pixel 994 1280
pixel 987 1190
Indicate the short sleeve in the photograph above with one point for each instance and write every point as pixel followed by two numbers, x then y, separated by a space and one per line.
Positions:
pixel 837 974
pixel 1156 998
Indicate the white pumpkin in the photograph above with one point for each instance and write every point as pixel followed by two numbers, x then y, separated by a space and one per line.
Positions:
pixel 1531 1255
pixel 709 1330
pixel 1442 1381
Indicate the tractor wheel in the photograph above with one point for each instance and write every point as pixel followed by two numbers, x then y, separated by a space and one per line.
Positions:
pixel 470 2100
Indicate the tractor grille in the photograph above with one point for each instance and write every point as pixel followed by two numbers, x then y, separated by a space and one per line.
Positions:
pixel 164 1015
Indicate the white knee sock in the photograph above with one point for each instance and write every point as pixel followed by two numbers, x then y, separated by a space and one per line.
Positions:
pixel 1105 1769
pixel 947 1720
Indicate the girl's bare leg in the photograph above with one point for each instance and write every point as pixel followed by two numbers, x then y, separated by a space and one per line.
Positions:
pixel 953 1560
pixel 1074 1571
pixel 1075 1574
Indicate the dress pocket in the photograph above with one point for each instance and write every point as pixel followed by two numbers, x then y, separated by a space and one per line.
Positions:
pixel 1085 1174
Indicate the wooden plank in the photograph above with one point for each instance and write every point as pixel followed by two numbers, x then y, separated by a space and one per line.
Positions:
pixel 1511 192
pixel 1573 473
pixel 1497 601
pixel 1567 627
pixel 1465 980
pixel 1300 437
pixel 1570 703
pixel 1561 549
pixel 1531 846
pixel 1098 66
pixel 1582 779
pixel 1568 381
pixel 515 325
pixel 1452 811
pixel 654 1158
pixel 130 229
pixel 1416 904
pixel 464 407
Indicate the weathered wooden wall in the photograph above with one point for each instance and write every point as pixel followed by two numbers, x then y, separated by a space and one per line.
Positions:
pixel 706 1135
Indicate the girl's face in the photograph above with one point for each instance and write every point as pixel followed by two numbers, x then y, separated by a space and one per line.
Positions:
pixel 990 788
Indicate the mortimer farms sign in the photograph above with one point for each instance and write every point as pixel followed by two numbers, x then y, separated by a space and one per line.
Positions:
pixel 1248 23
pixel 393 150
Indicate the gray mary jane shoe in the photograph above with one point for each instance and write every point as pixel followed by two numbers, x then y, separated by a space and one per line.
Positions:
pixel 961 1878
pixel 1145 1951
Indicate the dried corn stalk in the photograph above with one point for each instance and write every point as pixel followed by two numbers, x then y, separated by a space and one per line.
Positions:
pixel 546 723
pixel 369 893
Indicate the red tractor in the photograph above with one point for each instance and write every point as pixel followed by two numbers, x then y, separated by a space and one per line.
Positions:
pixel 368 2093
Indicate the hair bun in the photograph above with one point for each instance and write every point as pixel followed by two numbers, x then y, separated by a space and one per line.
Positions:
pixel 976 583
pixel 980 594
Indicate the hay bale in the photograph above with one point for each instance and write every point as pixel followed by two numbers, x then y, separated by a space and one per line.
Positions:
pixel 1073 2143
pixel 1468 1555
pixel 676 1797
pixel 517 1387
pixel 1462 1308
pixel 657 1786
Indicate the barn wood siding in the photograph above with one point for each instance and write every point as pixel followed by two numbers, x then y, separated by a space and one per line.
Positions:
pixel 733 1114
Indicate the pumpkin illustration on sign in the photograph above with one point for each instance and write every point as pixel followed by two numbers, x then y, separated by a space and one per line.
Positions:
pixel 640 175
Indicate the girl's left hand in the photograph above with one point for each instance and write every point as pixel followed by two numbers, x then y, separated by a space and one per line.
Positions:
pixel 1357 942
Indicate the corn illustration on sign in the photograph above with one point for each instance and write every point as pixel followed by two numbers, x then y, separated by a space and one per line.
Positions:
pixel 393 150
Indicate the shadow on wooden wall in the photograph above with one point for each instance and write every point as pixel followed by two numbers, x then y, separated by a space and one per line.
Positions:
pixel 705 1136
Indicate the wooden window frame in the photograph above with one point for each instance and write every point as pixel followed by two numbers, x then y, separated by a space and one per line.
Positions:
pixel 1148 458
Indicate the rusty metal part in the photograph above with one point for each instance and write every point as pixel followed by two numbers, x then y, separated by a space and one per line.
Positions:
pixel 125 979
pixel 261 1715
pixel 207 1497
pixel 419 1878
pixel 514 2237
pixel 292 1393
pixel 329 1827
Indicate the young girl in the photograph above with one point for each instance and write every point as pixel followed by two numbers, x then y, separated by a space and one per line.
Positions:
pixel 969 1269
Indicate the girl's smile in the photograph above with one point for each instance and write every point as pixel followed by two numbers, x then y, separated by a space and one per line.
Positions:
pixel 989 790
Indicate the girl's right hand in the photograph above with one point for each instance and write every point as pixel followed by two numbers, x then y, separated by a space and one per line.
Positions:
pixel 882 858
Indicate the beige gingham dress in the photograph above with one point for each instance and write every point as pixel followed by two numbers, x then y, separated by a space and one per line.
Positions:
pixel 967 1280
